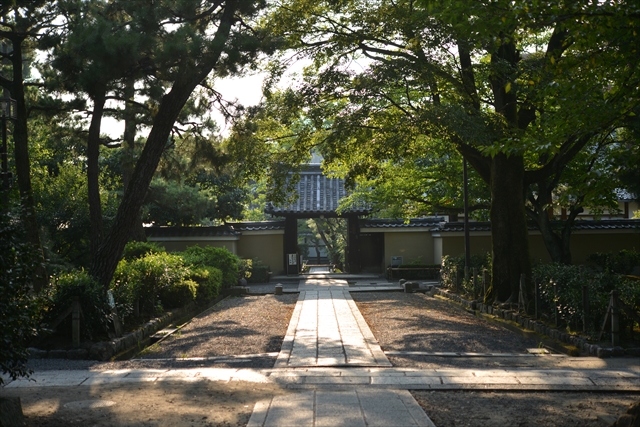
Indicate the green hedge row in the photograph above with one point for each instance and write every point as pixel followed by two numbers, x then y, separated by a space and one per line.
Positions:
pixel 561 286
pixel 147 281
pixel 427 272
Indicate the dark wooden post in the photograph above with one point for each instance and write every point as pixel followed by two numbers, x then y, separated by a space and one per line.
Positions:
pixel 75 323
pixel 290 244
pixel 538 301
pixel 585 308
pixel 555 303
pixel 475 283
pixel 354 264
pixel 485 285
pixel 521 297
pixel 615 319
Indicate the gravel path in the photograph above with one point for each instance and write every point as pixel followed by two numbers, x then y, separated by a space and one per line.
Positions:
pixel 236 326
pixel 418 322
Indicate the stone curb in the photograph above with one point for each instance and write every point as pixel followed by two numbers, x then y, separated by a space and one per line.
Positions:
pixel 560 341
pixel 127 344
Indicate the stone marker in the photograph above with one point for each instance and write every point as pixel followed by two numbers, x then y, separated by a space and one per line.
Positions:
pixel 410 287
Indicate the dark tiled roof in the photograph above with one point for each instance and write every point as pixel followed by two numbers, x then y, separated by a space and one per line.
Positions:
pixel 400 223
pixel 316 194
pixel 610 224
pixel 607 224
pixel 257 226
pixel 218 231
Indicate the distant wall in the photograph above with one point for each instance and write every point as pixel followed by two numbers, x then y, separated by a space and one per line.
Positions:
pixel 583 244
pixel 269 248
pixel 410 245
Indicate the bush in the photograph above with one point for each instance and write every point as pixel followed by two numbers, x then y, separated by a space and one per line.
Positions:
pixel 621 263
pixel 452 264
pixel 209 280
pixel 258 271
pixel 561 290
pixel 135 250
pixel 430 272
pixel 18 308
pixel 157 280
pixel 96 312
pixel 220 258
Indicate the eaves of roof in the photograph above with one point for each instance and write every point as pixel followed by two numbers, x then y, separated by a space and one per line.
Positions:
pixel 217 231
pixel 400 223
pixel 612 224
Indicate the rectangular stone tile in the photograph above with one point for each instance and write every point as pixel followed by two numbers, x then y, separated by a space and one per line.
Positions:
pixel 384 408
pixel 336 380
pixel 291 410
pixel 479 380
pixel 337 409
pixel 391 380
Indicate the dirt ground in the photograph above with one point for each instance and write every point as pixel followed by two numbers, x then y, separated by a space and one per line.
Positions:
pixel 254 325
pixel 168 404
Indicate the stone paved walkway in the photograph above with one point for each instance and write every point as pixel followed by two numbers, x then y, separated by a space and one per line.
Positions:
pixel 344 379
pixel 327 329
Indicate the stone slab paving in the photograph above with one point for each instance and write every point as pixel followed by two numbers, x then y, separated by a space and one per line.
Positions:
pixel 595 380
pixel 344 379
pixel 345 408
pixel 327 329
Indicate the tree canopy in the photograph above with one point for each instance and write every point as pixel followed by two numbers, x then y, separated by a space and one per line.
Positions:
pixel 518 89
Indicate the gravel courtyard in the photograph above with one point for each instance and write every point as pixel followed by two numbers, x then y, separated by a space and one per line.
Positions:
pixel 247 332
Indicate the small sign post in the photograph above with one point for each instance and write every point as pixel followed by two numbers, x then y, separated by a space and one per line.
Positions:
pixel 292 263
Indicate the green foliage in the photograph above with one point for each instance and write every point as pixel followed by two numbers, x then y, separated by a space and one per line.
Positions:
pixel 451 265
pixel 258 271
pixel 529 91
pixel 209 280
pixel 135 250
pixel 621 263
pixel 19 311
pixel 561 290
pixel 66 287
pixel 430 272
pixel 220 258
pixel 157 281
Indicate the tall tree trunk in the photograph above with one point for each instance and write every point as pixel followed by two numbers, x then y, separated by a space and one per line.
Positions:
pixel 509 233
pixel 110 250
pixel 128 145
pixel 93 170
pixel 23 164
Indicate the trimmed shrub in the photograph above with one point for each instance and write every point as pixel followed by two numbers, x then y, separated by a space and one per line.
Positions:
pixel 157 281
pixel 258 271
pixel 452 264
pixel 621 263
pixel 209 280
pixel 135 250
pixel 220 258
pixel 96 312
pixel 561 290
pixel 429 272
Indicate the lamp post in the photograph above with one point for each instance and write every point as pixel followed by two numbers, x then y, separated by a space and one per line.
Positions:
pixel 7 105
